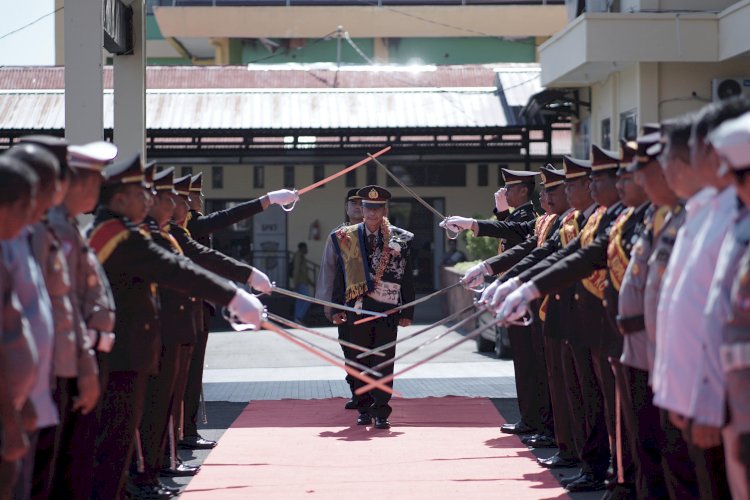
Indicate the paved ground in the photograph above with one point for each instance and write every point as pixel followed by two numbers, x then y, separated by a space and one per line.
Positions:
pixel 246 366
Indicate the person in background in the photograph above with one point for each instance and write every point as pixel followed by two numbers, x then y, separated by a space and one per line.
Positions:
pixel 453 255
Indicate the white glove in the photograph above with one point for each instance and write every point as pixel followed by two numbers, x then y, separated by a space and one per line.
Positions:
pixel 457 224
pixel 246 308
pixel 489 292
pixel 282 197
pixel 501 200
pixel 503 291
pixel 475 275
pixel 259 281
pixel 516 304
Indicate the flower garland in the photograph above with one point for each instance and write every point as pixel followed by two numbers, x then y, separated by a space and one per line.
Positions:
pixel 385 255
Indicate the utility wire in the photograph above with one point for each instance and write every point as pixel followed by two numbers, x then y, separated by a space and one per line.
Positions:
pixel 31 23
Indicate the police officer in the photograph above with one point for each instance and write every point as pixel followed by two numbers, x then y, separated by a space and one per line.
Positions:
pixel 382 282
pixel 324 286
pixel 136 267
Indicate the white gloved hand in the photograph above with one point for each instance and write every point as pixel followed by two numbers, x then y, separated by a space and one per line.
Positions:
pixel 259 281
pixel 282 197
pixel 457 224
pixel 246 308
pixel 489 292
pixel 516 304
pixel 475 275
pixel 503 291
pixel 501 200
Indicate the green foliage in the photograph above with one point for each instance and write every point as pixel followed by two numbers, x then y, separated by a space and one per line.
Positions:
pixel 480 248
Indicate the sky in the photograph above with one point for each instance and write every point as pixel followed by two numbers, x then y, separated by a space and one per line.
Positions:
pixel 34 45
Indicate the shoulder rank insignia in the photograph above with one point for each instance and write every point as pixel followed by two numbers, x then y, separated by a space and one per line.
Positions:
pixel 106 237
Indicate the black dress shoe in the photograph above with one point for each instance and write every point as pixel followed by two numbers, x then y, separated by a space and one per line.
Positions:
pixel 587 482
pixel 350 405
pixel 517 428
pixel 382 423
pixel 557 462
pixel 146 492
pixel 169 489
pixel 196 443
pixel 566 480
pixel 182 470
pixel 541 441
pixel 364 419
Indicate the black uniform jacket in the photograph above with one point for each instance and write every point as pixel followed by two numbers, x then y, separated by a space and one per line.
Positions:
pixel 203 225
pixel 135 266
pixel 511 228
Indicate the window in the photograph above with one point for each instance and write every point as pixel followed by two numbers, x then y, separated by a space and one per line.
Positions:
pixel 430 175
pixel 319 172
pixel 606 134
pixel 259 176
pixel 483 175
pixel 628 125
pixel 217 177
pixel 351 178
pixel 186 171
pixel 289 176
pixel 500 180
pixel 372 175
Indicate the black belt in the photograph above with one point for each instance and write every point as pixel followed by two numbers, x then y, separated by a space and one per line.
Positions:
pixel 631 324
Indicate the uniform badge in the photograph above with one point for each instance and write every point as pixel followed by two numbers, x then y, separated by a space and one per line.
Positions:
pixel 372 194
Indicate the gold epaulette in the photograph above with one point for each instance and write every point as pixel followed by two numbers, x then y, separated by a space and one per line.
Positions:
pixel 106 237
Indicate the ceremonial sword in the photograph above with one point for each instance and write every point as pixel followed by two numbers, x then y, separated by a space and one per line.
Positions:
pixel 371 382
pixel 355 364
pixel 300 192
pixel 379 350
pixel 469 336
pixel 322 302
pixel 344 343
pixel 418 301
pixel 451 235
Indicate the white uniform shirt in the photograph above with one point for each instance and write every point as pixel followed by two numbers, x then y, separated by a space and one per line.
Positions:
pixel 678 314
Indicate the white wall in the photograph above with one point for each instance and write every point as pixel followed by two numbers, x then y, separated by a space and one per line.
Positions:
pixel 694 5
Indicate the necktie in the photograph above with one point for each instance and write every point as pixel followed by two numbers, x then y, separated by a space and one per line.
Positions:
pixel 371 241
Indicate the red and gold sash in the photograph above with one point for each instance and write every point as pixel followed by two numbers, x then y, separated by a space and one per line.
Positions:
pixel 617 258
pixel 106 237
pixel 542 229
pixel 569 228
pixel 595 283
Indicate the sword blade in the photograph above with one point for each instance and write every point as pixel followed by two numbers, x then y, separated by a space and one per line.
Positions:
pixel 443 321
pixel 371 382
pixel 469 336
pixel 428 341
pixel 410 304
pixel 292 324
pixel 322 302
pixel 408 189
pixel 342 172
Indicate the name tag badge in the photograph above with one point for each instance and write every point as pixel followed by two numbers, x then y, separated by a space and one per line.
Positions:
pixel 387 293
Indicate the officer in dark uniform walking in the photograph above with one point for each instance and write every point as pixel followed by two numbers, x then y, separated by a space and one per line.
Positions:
pixel 376 275
pixel 136 267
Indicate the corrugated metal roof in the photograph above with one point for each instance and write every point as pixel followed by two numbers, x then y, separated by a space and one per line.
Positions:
pixel 518 84
pixel 281 76
pixel 276 109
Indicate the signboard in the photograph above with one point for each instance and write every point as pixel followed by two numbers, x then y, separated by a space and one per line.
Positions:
pixel 269 244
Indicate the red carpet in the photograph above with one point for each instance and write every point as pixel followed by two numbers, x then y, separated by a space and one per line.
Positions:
pixel 438 448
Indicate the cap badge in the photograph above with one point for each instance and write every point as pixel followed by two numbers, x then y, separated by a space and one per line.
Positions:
pixel 373 194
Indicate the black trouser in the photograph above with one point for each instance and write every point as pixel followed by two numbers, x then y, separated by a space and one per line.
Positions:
pixel 44 463
pixel 195 379
pixel 566 425
pixel 183 372
pixel 75 441
pixel 679 469
pixel 372 335
pixel 594 447
pixel 710 471
pixel 159 391
pixel 531 377
pixel 349 353
pixel 122 408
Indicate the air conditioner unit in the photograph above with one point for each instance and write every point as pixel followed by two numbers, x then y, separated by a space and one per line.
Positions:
pixel 724 88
